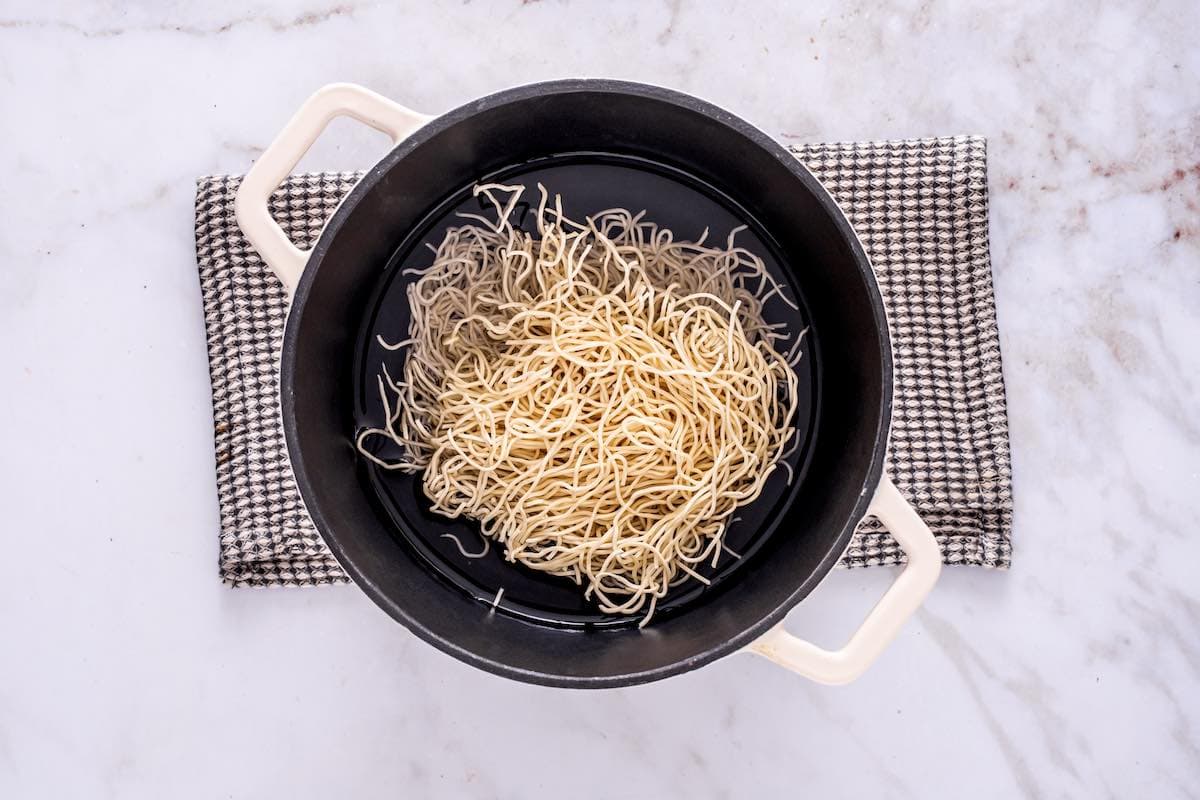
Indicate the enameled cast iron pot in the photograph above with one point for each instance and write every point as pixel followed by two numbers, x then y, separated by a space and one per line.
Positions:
pixel 623 133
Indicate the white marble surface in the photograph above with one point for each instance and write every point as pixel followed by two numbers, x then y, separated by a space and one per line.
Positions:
pixel 128 670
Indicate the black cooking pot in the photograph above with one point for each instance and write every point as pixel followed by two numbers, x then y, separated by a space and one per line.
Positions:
pixel 692 166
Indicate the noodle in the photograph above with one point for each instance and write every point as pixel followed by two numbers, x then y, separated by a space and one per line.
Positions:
pixel 487 546
pixel 600 397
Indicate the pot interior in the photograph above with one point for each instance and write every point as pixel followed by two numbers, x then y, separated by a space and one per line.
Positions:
pixel 588 183
pixel 600 145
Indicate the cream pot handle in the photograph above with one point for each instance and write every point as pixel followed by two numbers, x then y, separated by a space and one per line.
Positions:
pixel 280 158
pixel 884 621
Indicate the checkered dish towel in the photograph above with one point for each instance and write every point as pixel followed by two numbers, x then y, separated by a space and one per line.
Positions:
pixel 920 208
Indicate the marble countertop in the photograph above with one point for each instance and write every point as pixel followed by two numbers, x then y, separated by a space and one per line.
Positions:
pixel 128 670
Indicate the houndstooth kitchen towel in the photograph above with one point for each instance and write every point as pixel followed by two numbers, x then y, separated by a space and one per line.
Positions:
pixel 920 207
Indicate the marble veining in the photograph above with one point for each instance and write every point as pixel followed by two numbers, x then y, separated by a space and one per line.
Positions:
pixel 129 671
